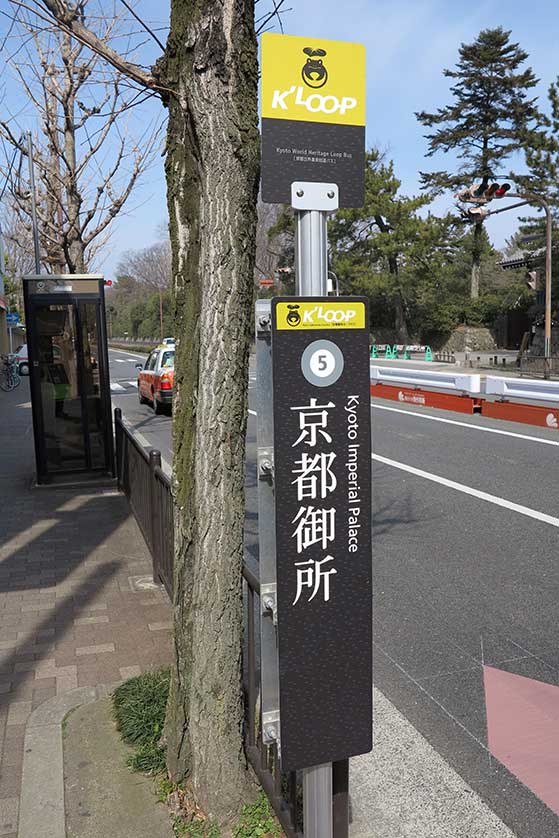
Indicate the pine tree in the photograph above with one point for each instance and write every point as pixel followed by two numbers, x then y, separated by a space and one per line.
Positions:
pixel 389 252
pixel 491 117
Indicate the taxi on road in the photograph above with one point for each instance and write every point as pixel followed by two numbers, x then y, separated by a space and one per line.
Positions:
pixel 156 378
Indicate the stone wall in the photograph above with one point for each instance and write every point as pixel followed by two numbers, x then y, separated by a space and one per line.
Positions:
pixel 538 343
pixel 470 339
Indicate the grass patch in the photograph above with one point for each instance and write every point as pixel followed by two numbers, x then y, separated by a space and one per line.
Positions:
pixel 258 821
pixel 196 829
pixel 139 711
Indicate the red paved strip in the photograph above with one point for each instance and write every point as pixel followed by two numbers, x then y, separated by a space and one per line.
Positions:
pixel 523 730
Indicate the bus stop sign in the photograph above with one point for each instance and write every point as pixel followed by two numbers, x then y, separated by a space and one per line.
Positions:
pixel 322 479
pixel 313 116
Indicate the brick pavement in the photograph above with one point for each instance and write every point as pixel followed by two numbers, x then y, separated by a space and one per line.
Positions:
pixel 71 612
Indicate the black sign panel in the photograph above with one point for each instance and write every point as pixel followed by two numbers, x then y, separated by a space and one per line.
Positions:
pixel 313 116
pixel 322 478
pixel 315 152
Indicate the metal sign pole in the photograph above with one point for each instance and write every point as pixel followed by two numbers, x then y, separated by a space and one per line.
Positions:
pixel 311 272
pixel 11 330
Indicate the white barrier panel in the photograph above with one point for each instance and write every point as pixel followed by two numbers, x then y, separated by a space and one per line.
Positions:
pixel 422 378
pixel 523 388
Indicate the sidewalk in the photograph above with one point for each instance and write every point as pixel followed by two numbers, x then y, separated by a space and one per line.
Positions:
pixel 73 611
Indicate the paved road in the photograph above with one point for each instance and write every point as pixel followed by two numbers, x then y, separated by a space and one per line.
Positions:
pixel 155 430
pixel 466 526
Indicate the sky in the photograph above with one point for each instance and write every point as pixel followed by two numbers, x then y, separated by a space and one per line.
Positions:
pixel 408 43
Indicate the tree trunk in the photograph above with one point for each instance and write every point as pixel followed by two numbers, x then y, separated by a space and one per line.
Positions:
pixel 476 262
pixel 400 323
pixel 74 246
pixel 212 177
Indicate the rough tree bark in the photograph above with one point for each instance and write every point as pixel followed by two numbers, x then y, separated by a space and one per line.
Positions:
pixel 208 78
pixel 212 176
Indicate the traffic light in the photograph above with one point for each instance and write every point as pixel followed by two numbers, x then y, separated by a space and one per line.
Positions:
pixel 502 190
pixel 481 193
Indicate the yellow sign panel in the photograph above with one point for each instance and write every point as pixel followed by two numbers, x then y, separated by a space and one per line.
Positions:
pixel 313 80
pixel 320 315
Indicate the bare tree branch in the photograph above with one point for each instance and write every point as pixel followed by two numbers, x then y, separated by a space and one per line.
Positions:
pixel 140 21
pixel 68 20
pixel 84 177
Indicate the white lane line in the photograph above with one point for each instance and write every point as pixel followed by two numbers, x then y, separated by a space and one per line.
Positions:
pixel 468 490
pixel 116 387
pixel 465 424
pixel 122 360
pixel 252 412
pixel 126 352
pixel 133 383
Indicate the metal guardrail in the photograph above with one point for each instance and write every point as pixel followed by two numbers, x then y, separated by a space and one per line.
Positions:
pixel 399 376
pixel 523 388
pixel 148 490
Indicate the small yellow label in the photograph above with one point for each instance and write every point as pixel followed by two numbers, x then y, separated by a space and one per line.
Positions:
pixel 320 315
pixel 313 80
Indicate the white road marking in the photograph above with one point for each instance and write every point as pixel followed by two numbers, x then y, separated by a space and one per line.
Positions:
pixel 125 352
pixel 115 386
pixel 465 424
pixel 252 412
pixel 122 360
pixel 133 383
pixel 468 490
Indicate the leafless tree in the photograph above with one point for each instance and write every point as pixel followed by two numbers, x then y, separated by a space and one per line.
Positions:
pixel 207 77
pixel 152 267
pixel 86 161
pixel 266 253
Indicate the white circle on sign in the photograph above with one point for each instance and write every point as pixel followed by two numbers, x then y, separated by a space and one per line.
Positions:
pixel 322 363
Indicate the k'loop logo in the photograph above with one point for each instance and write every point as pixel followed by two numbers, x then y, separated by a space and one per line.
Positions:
pixel 293 318
pixel 314 103
pixel 315 75
pixel 314 72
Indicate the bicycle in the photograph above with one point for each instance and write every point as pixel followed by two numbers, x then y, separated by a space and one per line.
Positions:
pixel 9 373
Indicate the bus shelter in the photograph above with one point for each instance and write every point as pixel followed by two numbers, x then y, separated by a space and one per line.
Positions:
pixel 69 377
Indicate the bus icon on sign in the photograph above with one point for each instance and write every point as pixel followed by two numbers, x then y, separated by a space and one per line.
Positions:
pixel 293 318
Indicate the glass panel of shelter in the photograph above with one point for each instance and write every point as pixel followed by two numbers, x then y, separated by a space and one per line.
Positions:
pixel 59 383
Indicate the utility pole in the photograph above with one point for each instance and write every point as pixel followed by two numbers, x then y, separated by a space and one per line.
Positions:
pixel 33 205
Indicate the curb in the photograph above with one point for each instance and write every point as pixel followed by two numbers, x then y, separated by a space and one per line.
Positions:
pixel 41 805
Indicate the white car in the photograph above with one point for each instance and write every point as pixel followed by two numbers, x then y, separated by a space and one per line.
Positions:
pixel 22 359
